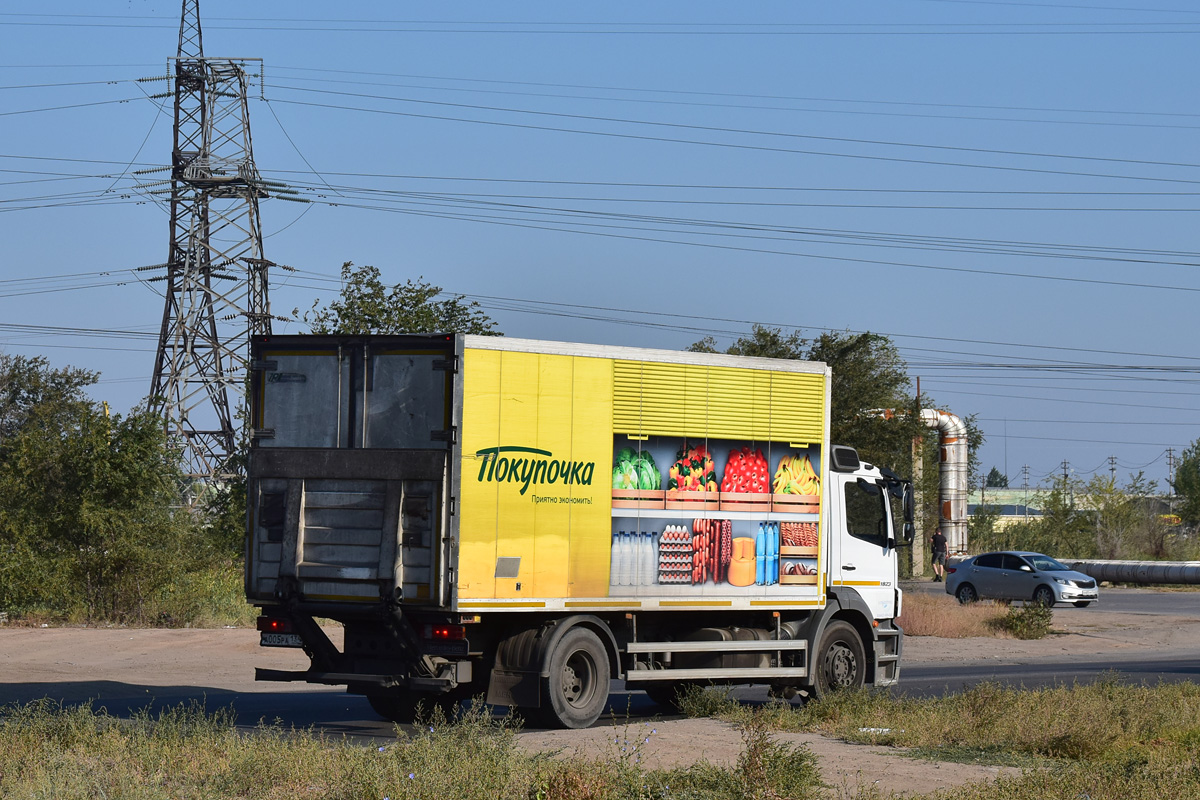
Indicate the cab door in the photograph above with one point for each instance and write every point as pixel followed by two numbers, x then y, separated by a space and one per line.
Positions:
pixel 862 557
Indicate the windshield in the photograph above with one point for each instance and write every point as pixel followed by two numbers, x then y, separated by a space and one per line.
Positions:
pixel 1045 564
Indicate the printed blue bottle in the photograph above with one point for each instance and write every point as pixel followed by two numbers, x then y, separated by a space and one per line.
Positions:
pixel 760 555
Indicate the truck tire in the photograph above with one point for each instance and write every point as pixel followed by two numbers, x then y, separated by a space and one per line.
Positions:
pixel 841 660
pixel 403 708
pixel 575 691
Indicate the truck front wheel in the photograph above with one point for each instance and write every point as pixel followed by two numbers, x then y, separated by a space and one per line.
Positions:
pixel 841 662
pixel 576 690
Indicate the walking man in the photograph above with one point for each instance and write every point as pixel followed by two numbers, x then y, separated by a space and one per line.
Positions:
pixel 938 546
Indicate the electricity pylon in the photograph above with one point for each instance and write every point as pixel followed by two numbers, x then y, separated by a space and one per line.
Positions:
pixel 216 275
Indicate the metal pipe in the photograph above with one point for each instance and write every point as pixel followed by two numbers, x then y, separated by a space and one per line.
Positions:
pixel 1138 571
pixel 952 476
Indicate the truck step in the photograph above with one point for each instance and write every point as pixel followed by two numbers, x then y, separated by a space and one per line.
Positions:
pixel 733 673
pixel 769 645
pixel 333 678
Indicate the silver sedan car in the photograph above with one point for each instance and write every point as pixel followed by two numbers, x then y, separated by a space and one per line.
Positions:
pixel 1019 575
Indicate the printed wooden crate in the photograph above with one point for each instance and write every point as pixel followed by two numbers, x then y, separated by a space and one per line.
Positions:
pixel 745 501
pixel 798 579
pixel 798 552
pixel 693 501
pixel 796 503
pixel 651 499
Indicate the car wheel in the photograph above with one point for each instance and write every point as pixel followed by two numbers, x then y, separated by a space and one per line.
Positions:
pixel 1082 603
pixel 576 690
pixel 966 594
pixel 841 661
pixel 1043 596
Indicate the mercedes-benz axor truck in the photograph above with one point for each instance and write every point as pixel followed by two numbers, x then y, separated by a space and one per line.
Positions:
pixel 525 521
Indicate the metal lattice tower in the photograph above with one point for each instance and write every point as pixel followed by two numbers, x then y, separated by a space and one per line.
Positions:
pixel 216 281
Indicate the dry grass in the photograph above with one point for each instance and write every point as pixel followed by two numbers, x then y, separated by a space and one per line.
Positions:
pixel 76 753
pixel 942 615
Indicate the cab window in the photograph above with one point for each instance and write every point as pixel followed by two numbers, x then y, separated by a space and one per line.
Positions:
pixel 866 512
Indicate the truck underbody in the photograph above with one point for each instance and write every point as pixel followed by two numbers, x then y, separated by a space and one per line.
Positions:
pixel 556 668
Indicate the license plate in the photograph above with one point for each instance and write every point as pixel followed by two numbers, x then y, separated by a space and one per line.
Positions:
pixel 280 640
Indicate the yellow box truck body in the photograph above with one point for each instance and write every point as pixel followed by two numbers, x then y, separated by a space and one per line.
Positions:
pixel 464 504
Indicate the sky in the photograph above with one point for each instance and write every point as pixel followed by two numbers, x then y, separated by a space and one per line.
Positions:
pixel 1008 190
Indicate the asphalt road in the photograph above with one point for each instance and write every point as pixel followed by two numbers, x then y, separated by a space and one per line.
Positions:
pixel 335 712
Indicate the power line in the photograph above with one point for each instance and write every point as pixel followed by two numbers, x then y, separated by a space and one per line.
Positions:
pixel 70 106
pixel 777 134
pixel 731 145
pixel 742 95
pixel 571 227
pixel 839 237
pixel 741 106
pixel 722 29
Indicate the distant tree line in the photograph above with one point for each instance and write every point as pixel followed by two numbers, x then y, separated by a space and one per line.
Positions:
pixel 1099 518
pixel 90 519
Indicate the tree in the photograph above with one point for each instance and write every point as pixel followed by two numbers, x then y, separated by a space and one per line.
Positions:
pixel 30 383
pixel 1187 484
pixel 366 306
pixel 1126 519
pixel 872 402
pixel 996 479
pixel 90 519
pixel 86 518
pixel 762 342
pixel 872 399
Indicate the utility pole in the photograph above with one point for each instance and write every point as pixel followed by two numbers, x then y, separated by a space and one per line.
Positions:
pixel 1112 468
pixel 1025 477
pixel 1171 480
pixel 918 470
pixel 216 276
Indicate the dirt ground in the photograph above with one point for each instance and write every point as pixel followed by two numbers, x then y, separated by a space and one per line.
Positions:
pixel 69 663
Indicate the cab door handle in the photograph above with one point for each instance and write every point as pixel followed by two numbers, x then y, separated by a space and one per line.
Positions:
pixel 850 567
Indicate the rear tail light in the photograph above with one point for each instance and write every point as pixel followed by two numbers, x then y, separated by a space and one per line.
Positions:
pixel 273 625
pixel 446 633
pixel 951 569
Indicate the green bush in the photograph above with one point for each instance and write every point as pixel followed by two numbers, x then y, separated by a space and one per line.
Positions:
pixel 92 523
pixel 1030 621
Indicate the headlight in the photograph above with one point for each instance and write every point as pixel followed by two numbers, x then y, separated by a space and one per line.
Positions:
pixel 1063 582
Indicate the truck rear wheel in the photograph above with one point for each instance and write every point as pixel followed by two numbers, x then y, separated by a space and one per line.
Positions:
pixel 576 690
pixel 841 661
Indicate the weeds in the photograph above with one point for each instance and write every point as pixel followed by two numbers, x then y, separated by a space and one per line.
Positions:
pixel 1104 741
pixel 47 750
pixel 941 615
pixel 1030 621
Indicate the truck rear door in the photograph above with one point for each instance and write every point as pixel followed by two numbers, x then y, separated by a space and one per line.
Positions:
pixel 349 466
